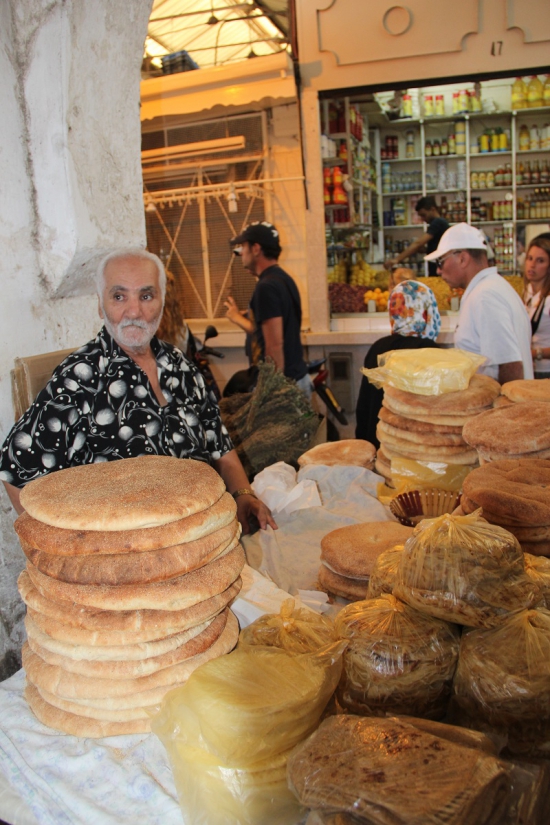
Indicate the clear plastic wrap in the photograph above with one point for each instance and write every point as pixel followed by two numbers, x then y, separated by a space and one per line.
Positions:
pixel 538 569
pixel 425 371
pixel 296 631
pixel 502 682
pixel 409 474
pixel 384 573
pixel 397 661
pixel 385 771
pixel 463 569
pixel 229 729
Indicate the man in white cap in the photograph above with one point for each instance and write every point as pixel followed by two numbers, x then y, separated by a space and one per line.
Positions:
pixel 493 320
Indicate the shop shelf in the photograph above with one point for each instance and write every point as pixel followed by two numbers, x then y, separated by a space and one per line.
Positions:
pixel 400 160
pixel 406 226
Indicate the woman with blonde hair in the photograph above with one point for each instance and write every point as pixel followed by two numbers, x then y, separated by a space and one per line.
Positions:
pixel 536 278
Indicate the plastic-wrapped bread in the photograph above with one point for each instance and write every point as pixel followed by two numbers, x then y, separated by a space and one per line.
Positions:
pixel 463 569
pixel 384 573
pixel 502 681
pixel 397 661
pixel 538 569
pixel 294 630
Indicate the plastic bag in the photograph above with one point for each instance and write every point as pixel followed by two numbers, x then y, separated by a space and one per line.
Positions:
pixel 397 661
pixel 296 631
pixel 384 573
pixel 409 474
pixel 229 729
pixel 425 371
pixel 502 681
pixel 538 569
pixel 464 570
pixel 388 770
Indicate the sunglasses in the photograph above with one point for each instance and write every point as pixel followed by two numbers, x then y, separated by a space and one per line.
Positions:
pixel 440 261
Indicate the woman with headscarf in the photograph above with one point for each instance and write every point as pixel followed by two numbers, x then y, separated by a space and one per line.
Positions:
pixel 415 323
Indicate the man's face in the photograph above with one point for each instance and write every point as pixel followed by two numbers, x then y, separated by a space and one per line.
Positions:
pixel 131 302
pixel 247 256
pixel 451 267
pixel 424 214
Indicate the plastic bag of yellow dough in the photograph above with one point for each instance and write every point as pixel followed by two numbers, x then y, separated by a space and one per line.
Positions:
pixel 464 570
pixel 229 729
pixel 296 631
pixel 425 371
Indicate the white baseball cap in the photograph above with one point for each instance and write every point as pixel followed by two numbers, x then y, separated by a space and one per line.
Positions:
pixel 459 236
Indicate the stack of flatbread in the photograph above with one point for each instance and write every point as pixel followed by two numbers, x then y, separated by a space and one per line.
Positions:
pixel 131 567
pixel 519 430
pixel 398 660
pixel 348 451
pixel 430 427
pixel 348 555
pixel 524 390
pixel 514 493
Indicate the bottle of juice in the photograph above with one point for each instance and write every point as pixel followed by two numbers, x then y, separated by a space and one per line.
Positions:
pixel 535 93
pixel 546 91
pixel 519 94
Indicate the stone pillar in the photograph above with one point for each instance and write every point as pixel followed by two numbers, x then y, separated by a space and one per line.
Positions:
pixel 70 190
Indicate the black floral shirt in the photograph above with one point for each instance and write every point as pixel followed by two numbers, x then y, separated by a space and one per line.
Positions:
pixel 100 406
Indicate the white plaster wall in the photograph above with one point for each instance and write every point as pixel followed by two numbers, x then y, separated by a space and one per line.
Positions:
pixel 71 185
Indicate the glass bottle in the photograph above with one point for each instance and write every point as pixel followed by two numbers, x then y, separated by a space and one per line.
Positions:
pixel 527 173
pixel 546 91
pixel 519 172
pixel 507 175
pixel 535 172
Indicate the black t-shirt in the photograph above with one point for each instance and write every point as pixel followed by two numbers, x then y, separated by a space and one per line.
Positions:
pixel 436 228
pixel 370 398
pixel 276 296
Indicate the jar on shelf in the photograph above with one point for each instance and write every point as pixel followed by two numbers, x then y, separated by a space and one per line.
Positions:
pixel 452 144
pixel 495 141
pixel 498 176
pixel 428 106
pixel 482 180
pixel 490 180
pixel 428 149
pixel 440 105
pixel 406 106
pixel 474 180
pixel 503 142
pixel 484 143
pixel 456 103
pixel 535 93
pixel 519 94
pixel 436 148
pixel 508 175
pixel 409 144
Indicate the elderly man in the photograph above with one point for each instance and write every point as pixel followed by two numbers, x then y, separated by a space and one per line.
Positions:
pixel 493 320
pixel 125 394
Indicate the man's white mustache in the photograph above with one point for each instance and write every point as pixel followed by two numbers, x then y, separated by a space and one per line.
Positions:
pixel 136 323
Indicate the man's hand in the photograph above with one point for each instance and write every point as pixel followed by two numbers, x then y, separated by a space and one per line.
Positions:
pixel 250 507
pixel 390 262
pixel 237 316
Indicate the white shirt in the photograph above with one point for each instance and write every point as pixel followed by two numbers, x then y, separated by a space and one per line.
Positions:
pixel 541 338
pixel 493 321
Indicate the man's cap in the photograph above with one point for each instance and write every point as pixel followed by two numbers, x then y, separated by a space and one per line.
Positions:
pixel 260 232
pixel 459 236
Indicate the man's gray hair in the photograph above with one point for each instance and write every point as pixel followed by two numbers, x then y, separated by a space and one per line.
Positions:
pixel 130 252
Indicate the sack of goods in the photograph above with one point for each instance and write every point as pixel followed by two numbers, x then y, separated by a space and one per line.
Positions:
pixel 418 429
pixel 131 567
pixel 519 430
pixel 229 731
pixel 349 554
pixel 398 660
pixel 464 570
pixel 348 451
pixel 412 772
pixel 515 494
pixel 502 682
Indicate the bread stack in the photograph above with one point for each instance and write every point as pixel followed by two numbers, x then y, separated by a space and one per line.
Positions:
pixel 430 427
pixel 520 430
pixel 348 556
pixel 348 451
pixel 525 390
pixel 131 567
pixel 515 494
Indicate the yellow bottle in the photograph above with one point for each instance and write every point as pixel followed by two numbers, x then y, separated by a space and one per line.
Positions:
pixel 546 91
pixel 535 94
pixel 519 94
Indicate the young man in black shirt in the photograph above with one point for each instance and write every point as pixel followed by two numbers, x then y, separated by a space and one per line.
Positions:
pixel 275 304
pixel 428 210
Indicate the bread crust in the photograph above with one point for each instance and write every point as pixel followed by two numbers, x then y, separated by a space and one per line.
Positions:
pixel 63 542
pixel 351 589
pixel 123 495
pixel 353 550
pixel 510 431
pixel 527 390
pixel 347 451
pixel 480 394
pixel 402 422
pixel 513 490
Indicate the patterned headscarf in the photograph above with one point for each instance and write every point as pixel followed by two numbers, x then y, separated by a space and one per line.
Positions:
pixel 413 310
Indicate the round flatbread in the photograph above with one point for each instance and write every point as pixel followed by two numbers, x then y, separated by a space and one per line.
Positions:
pixel 348 451
pixel 173 594
pixel 445 420
pixel 115 715
pixel 123 495
pixel 501 401
pixel 514 430
pixel 514 490
pixel 411 425
pixel 350 589
pixel 128 669
pixel 74 686
pixel 81 625
pixel 480 393
pixel 431 439
pixel 62 542
pixel 527 390
pixel 134 568
pixel 352 551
